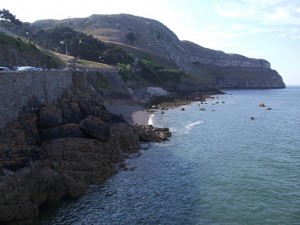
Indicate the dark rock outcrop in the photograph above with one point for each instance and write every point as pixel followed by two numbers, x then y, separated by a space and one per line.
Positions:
pixel 95 128
pixel 50 116
pixel 54 151
pixel 148 133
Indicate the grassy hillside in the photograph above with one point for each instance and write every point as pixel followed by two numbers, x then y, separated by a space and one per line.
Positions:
pixel 18 52
pixel 147 73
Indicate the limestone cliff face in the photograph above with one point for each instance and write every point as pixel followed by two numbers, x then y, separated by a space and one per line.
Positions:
pixel 146 37
pixel 233 70
pixel 251 78
pixel 203 55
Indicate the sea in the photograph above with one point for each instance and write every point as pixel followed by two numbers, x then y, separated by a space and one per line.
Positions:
pixel 219 167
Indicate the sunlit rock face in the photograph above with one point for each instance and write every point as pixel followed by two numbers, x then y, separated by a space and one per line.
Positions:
pixel 232 60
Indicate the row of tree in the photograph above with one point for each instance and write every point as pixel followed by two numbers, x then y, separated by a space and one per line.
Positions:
pixel 7 16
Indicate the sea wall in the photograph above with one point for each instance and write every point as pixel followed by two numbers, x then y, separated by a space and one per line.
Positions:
pixel 17 88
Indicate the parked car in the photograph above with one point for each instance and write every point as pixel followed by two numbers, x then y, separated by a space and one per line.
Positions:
pixel 29 68
pixel 3 68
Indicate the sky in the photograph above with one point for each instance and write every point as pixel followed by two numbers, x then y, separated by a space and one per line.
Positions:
pixel 268 29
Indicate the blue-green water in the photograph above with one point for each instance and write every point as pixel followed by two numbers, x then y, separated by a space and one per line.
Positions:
pixel 219 167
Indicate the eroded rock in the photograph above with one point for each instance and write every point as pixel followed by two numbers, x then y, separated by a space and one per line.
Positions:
pixel 55 151
pixel 50 116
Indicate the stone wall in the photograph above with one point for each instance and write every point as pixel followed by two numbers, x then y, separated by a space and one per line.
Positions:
pixel 16 89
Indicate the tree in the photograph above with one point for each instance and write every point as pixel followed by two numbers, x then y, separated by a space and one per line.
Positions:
pixel 6 15
pixel 130 36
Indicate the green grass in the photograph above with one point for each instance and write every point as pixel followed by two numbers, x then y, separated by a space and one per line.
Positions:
pixel 18 43
pixel 86 63
pixel 52 60
pixel 26 51
pixel 151 73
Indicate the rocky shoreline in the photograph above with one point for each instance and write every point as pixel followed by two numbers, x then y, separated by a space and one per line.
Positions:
pixel 57 150
pixel 178 100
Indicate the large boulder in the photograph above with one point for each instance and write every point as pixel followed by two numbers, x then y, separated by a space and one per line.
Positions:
pixel 94 127
pixel 126 136
pixel 71 130
pixel 50 133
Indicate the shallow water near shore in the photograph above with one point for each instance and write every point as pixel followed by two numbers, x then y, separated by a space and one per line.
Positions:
pixel 219 167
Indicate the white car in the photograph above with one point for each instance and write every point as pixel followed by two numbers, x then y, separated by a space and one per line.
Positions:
pixel 28 68
pixel 3 68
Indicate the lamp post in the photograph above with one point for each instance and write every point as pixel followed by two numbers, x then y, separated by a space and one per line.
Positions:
pixel 65 42
pixel 66 48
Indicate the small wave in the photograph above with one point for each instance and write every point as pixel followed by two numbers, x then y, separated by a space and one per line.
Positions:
pixel 191 125
pixel 150 120
pixel 165 144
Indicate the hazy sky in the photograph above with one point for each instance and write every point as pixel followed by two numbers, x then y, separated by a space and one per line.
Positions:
pixel 268 29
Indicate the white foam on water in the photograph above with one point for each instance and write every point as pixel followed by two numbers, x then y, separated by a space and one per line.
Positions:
pixel 191 125
pixel 150 120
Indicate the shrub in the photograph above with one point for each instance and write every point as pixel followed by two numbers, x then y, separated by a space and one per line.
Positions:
pixel 125 72
pixel 130 36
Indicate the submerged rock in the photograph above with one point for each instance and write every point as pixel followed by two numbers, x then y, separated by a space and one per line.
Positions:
pixel 148 133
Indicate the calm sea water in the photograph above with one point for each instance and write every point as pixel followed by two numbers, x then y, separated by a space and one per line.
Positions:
pixel 219 167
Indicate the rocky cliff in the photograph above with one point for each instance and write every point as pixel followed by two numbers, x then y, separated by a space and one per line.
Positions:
pixel 203 55
pixel 233 70
pixel 149 38
pixel 56 150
